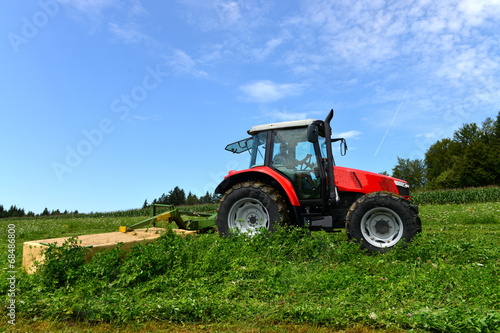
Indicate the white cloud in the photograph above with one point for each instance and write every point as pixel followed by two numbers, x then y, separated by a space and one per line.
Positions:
pixel 129 34
pixel 430 135
pixel 270 46
pixel 234 15
pixel 136 8
pixel 278 116
pixel 228 12
pixel 183 63
pixel 127 25
pixel 130 7
pixel 348 135
pixel 371 36
pixel 446 48
pixel 446 53
pixel 89 6
pixel 153 117
pixel 476 11
pixel 125 14
pixel 267 91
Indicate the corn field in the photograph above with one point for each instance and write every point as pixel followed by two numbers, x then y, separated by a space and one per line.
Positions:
pixel 457 196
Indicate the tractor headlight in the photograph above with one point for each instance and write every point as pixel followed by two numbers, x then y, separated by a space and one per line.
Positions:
pixel 403 188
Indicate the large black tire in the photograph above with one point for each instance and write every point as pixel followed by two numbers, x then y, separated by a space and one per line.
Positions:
pixel 249 207
pixel 380 220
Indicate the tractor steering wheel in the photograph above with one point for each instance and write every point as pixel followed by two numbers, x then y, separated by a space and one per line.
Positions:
pixel 305 163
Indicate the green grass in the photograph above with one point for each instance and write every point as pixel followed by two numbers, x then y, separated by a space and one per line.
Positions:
pixel 446 280
pixel 64 327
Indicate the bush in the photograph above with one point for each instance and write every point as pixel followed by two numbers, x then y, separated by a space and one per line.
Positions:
pixel 62 264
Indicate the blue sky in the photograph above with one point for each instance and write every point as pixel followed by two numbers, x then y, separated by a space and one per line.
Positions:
pixel 106 103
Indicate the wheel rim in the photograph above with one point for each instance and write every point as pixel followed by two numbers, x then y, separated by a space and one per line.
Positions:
pixel 248 215
pixel 382 227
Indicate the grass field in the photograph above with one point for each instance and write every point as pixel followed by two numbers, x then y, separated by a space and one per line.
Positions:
pixel 446 280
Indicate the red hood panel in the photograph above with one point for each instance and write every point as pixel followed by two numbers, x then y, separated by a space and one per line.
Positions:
pixel 353 180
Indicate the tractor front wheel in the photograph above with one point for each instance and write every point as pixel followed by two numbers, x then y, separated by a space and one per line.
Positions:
pixel 249 207
pixel 381 220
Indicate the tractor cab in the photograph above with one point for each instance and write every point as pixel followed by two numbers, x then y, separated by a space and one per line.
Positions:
pixel 298 150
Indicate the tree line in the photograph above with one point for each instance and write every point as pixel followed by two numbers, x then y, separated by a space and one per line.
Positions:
pixel 175 197
pixel 471 158
pixel 14 211
pixel 178 197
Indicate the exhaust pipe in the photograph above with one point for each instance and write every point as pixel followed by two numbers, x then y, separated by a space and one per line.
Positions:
pixel 332 190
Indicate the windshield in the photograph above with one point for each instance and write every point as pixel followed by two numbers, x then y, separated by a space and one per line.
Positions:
pixel 291 143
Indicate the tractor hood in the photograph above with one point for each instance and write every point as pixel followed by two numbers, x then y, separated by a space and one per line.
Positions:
pixel 353 180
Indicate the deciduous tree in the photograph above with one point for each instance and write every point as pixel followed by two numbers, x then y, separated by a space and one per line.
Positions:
pixel 413 171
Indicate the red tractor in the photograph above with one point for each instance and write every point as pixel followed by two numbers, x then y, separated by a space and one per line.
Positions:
pixel 292 180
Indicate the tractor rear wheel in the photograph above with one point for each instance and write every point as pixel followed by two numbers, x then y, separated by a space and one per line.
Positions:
pixel 380 220
pixel 249 207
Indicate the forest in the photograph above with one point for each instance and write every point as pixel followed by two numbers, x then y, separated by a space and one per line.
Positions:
pixel 471 158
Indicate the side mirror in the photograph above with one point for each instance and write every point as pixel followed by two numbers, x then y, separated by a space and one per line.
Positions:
pixel 343 147
pixel 312 133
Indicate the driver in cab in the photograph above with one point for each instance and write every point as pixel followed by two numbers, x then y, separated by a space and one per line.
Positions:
pixel 284 158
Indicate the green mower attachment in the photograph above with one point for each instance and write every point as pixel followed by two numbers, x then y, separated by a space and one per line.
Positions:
pixel 174 215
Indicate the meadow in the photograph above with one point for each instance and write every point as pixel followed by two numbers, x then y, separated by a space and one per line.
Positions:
pixel 445 280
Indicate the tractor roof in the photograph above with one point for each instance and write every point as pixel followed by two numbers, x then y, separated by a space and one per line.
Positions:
pixel 285 124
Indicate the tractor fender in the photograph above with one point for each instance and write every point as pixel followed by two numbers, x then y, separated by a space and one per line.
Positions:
pixel 263 174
